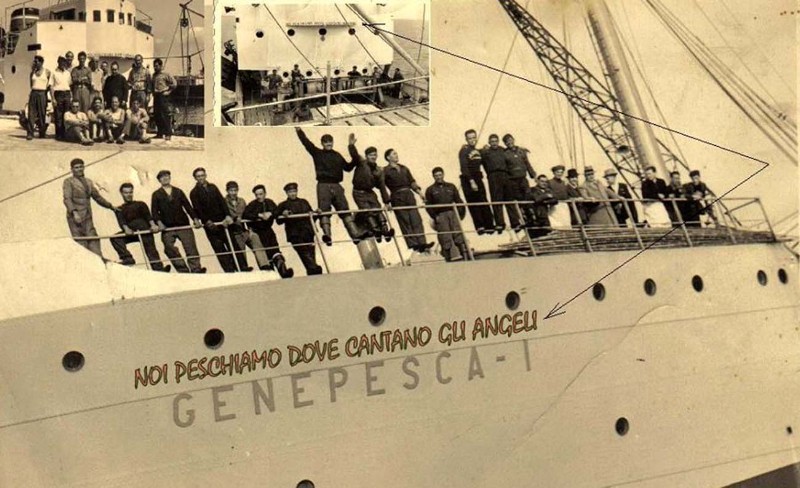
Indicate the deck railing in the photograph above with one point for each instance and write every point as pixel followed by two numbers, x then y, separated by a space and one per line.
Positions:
pixel 714 229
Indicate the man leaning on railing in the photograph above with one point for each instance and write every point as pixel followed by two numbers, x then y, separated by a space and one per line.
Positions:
pixel 79 191
pixel 133 217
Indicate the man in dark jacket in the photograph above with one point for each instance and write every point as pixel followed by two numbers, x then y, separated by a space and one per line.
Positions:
pixel 172 209
pixel 469 160
pixel 329 166
pixel 676 199
pixel 115 85
pixel 622 190
pixel 366 178
pixel 543 199
pixel 447 225
pixel 519 167
pixel 299 231
pixel 496 165
pixel 134 216
pixel 698 192
pixel 261 213
pixel 211 209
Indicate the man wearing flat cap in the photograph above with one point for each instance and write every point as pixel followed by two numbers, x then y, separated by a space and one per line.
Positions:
pixel 469 161
pixel 79 192
pixel 597 205
pixel 577 212
pixel 698 193
pixel 622 190
pixel 299 230
pixel 171 209
pixel 518 168
pixel 559 214
pixel 366 178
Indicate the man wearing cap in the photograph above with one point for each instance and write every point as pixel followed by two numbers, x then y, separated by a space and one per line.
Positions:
pixel 496 166
pixel 654 191
pixel 519 167
pixel 212 210
pixel 577 211
pixel 676 199
pixel 543 202
pixel 61 95
pixel 469 160
pixel 240 235
pixel 597 205
pixel 397 190
pixel 559 214
pixel 172 209
pixel 134 216
pixel 367 177
pixel 299 230
pixel 79 191
pixel 697 192
pixel 621 189
pixel 329 166
pixel 446 222
pixel 261 213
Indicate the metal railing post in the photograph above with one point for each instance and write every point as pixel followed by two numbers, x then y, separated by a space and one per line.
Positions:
pixel 319 244
pixel 395 238
pixel 766 219
pixel 463 234
pixel 525 228
pixel 725 223
pixel 584 235
pixel 682 223
pixel 630 217
pixel 233 249
pixel 147 263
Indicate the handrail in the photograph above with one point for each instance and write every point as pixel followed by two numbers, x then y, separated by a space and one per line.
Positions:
pixel 587 234
pixel 323 95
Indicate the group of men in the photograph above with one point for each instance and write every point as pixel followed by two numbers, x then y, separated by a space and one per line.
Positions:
pixel 298 83
pixel 94 102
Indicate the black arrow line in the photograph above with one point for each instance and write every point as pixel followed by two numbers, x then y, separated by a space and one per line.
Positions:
pixel 558 309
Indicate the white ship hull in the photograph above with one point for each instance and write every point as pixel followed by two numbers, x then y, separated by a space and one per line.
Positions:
pixel 707 380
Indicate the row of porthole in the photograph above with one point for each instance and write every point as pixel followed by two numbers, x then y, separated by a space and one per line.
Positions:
pixel 322 31
pixel 213 338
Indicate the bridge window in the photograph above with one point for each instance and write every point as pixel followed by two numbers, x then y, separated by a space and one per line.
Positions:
pixel 72 361
pixel 97 16
pixel 130 19
pixel 110 16
pixel 82 16
pixel 782 276
pixel 121 18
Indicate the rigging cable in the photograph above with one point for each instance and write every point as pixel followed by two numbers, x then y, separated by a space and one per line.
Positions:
pixel 292 42
pixel 358 38
pixel 421 34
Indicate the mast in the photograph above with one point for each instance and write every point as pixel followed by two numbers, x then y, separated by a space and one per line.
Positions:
pixel 615 64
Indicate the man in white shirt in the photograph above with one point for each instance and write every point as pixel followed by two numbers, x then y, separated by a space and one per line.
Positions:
pixel 77 125
pixel 61 94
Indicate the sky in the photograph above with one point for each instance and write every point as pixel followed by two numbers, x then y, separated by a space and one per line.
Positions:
pixel 462 97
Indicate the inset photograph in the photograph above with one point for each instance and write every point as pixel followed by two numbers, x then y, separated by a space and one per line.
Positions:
pixel 108 72
pixel 338 63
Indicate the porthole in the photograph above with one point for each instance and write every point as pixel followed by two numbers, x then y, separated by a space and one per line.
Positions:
pixel 72 361
pixel 259 34
pixel 377 315
pixel 309 73
pixel 762 277
pixel 290 32
pixel 214 338
pixel 599 291
pixel 285 74
pixel 512 300
pixel 650 287
pixel 697 283
pixel 782 276
pixel 336 72
pixel 323 31
pixel 351 31
pixel 305 484
pixel 622 426
pixel 364 71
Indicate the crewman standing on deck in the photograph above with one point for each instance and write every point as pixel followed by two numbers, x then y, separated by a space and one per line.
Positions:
pixel 446 220
pixel 212 210
pixel 559 213
pixel 261 213
pixel 518 168
pixel 329 166
pixel 367 177
pixel 496 165
pixel 300 230
pixel 79 192
pixel 470 160
pixel 397 190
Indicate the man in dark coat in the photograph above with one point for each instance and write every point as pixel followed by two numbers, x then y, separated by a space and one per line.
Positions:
pixel 115 85
pixel 261 213
pixel 211 209
pixel 519 168
pixel 622 190
pixel 447 225
pixel 698 192
pixel 134 216
pixel 366 178
pixel 329 167
pixel 676 199
pixel 171 212
pixel 495 163
pixel 469 159
pixel 300 230
pixel 577 212
pixel 543 200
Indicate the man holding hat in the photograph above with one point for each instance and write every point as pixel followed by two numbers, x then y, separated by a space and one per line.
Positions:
pixel 446 223
pixel 172 209
pixel 329 166
pixel 622 190
pixel 299 231
pixel 79 191
pixel 559 214
pixel 598 208
pixel 367 177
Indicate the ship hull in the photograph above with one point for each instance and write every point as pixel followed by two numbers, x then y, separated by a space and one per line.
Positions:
pixel 706 381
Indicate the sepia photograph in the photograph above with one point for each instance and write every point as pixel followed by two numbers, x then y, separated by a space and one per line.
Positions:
pixel 579 268
pixel 333 63
pixel 92 73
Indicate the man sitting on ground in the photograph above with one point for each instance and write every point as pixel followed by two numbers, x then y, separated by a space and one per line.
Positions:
pixel 77 125
pixel 136 120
